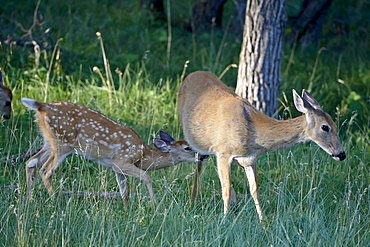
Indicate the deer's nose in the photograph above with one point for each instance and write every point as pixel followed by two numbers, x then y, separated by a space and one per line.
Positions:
pixel 6 117
pixel 341 156
pixel 203 157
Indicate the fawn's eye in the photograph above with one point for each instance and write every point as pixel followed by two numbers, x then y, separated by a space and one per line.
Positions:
pixel 8 103
pixel 188 149
pixel 325 128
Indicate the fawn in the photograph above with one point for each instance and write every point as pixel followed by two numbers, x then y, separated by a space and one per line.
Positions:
pixel 67 128
pixel 5 99
pixel 216 121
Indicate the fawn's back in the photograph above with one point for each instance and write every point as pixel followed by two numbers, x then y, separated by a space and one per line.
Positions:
pixel 88 132
pixel 67 127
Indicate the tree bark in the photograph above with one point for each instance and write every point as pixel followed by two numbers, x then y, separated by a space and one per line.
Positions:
pixel 207 13
pixel 237 26
pixel 308 25
pixel 156 5
pixel 261 54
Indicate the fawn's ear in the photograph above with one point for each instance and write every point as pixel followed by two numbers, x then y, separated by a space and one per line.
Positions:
pixel 166 137
pixel 301 103
pixel 161 145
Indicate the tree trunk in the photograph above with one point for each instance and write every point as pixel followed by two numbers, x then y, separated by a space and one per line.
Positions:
pixel 156 5
pixel 207 13
pixel 155 8
pixel 261 54
pixel 237 26
pixel 308 25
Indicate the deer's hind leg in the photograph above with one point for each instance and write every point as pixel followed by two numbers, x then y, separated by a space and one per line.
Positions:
pixel 56 156
pixel 34 163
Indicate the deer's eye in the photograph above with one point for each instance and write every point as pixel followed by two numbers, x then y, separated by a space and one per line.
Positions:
pixel 325 128
pixel 188 149
pixel 8 103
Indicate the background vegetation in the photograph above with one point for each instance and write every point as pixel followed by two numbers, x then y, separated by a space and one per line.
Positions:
pixel 308 198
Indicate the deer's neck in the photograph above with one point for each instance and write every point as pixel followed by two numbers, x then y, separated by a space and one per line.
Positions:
pixel 155 159
pixel 273 134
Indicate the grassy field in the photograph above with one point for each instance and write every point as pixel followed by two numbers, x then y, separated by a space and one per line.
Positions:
pixel 308 198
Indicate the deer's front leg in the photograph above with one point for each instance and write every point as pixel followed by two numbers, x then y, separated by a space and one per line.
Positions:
pixel 123 187
pixel 196 180
pixel 133 171
pixel 34 163
pixel 46 173
pixel 249 165
pixel 56 156
pixel 31 167
pixel 251 175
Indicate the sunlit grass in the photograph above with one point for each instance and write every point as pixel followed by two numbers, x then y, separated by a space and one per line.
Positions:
pixel 308 199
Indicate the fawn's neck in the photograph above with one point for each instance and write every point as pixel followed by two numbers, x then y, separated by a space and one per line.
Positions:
pixel 154 159
pixel 274 134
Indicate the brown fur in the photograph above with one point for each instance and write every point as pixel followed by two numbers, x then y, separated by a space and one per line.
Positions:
pixel 218 122
pixel 6 97
pixel 67 128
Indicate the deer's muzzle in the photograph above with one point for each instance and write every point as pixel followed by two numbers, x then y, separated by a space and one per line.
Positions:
pixel 6 116
pixel 341 156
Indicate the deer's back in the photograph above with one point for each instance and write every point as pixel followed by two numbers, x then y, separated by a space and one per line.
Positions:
pixel 213 117
pixel 88 131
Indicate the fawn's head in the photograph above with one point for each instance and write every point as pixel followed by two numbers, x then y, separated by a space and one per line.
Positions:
pixel 180 150
pixel 320 127
pixel 5 99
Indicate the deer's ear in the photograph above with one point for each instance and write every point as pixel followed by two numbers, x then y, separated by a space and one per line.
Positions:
pixel 166 137
pixel 301 104
pixel 307 96
pixel 161 145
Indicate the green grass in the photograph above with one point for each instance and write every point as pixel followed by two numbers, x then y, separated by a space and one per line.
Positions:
pixel 308 198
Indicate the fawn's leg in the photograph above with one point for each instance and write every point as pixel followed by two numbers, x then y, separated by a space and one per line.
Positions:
pixel 55 158
pixel 123 187
pixel 133 171
pixel 34 163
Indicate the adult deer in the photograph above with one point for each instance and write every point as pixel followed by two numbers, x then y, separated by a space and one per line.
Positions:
pixel 67 127
pixel 5 99
pixel 218 122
